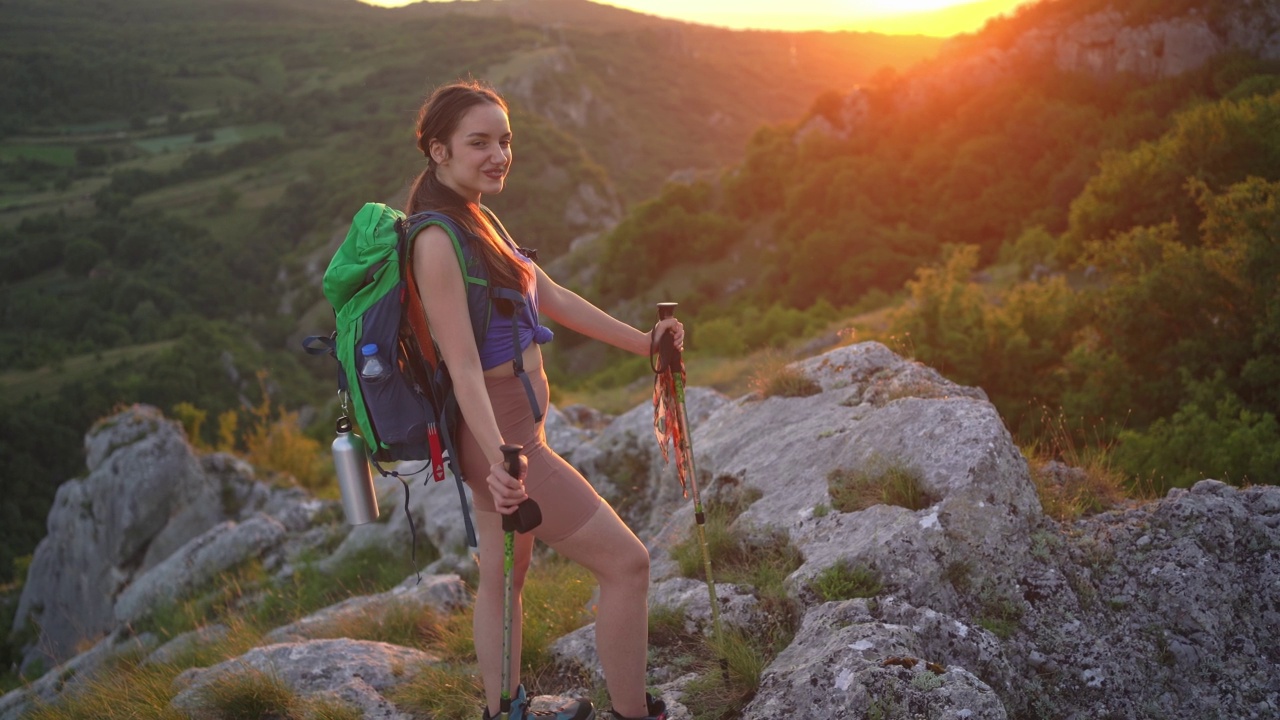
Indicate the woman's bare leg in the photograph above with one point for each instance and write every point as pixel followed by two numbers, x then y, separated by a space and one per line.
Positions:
pixel 487 623
pixel 620 563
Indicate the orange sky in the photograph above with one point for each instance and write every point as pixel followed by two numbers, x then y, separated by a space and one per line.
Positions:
pixel 926 17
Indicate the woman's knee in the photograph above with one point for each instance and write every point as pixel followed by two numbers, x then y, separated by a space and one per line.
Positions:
pixel 629 566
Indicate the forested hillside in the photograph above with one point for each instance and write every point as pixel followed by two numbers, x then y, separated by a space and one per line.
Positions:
pixel 174 175
pixel 1095 247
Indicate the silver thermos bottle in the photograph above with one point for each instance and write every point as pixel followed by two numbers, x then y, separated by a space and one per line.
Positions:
pixel 355 482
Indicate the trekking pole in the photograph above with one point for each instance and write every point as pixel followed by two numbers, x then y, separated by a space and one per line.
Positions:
pixel 672 362
pixel 526 517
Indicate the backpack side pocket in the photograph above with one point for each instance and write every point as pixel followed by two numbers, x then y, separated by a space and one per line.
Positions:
pixel 400 414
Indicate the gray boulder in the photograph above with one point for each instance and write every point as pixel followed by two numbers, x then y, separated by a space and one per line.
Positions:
pixel 197 564
pixel 625 465
pixel 846 663
pixel 1170 608
pixel 876 410
pixel 355 672
pixel 71 675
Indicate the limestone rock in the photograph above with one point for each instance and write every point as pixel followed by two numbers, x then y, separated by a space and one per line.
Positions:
pixel 843 122
pixel 100 527
pixel 1169 608
pixel 739 608
pixel 845 663
pixel 355 672
pixel 188 642
pixel 197 565
pixel 625 465
pixel 954 443
pixel 1104 44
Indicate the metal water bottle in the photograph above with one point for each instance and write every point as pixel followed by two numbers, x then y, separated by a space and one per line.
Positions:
pixel 355 482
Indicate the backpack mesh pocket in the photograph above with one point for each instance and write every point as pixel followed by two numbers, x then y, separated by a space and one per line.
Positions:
pixel 401 415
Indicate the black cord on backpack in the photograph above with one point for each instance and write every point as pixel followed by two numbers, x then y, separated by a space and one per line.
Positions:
pixel 413 531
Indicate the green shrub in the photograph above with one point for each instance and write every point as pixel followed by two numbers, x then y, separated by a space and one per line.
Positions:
pixel 719 336
pixel 1213 434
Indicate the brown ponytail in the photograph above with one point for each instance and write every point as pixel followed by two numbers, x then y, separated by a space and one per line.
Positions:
pixel 438 119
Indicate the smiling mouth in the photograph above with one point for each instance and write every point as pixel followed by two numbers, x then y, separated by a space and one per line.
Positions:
pixel 496 174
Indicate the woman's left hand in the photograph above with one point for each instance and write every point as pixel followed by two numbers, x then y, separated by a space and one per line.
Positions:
pixel 672 325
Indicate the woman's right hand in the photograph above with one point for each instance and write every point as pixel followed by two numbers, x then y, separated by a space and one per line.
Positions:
pixel 508 492
pixel 668 325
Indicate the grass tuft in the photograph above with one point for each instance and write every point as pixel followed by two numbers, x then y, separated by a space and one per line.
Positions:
pixel 728 680
pixel 880 483
pixel 447 692
pixel 845 581
pixel 776 378
pixel 729 666
pixel 1083 481
pixel 248 695
pixel 121 691
pixel 404 624
pixel 555 604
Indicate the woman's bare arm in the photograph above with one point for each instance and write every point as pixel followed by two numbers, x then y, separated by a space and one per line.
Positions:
pixel 444 297
pixel 571 310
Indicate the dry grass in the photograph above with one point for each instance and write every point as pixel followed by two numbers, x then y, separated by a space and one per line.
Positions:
pixel 775 377
pixel 122 691
pixel 726 684
pixel 1082 481
pixel 442 692
pixel 404 624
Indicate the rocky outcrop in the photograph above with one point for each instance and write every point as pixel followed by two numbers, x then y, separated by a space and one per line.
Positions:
pixel 982 559
pixel 146 496
pixel 986 608
pixel 1103 44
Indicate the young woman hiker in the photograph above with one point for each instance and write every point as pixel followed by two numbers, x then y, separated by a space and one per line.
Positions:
pixel 463 131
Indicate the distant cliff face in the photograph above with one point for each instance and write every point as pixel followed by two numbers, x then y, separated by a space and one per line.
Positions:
pixel 1106 44
pixel 1103 44
pixel 1168 609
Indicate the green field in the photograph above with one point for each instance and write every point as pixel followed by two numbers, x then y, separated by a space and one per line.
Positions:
pixel 222 137
pixel 20 384
pixel 54 154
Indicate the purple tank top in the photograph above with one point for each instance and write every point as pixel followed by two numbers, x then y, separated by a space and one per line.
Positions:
pixel 497 348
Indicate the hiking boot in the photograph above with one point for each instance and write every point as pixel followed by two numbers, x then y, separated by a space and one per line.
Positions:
pixel 580 709
pixel 657 710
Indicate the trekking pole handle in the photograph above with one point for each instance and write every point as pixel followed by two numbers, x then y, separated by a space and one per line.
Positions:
pixel 527 515
pixel 511 456
pixel 668 355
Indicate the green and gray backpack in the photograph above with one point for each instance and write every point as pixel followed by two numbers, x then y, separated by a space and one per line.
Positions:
pixel 408 412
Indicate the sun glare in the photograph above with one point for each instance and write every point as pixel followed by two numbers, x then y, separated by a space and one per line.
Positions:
pixel 923 17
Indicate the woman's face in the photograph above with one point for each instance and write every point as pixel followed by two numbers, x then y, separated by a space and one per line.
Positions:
pixel 478 156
